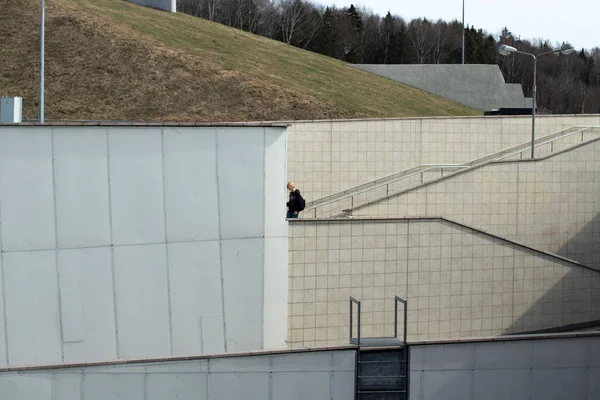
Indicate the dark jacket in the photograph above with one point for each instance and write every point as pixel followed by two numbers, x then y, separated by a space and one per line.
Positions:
pixel 294 203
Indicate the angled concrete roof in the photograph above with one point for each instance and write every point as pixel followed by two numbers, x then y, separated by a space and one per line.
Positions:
pixel 474 85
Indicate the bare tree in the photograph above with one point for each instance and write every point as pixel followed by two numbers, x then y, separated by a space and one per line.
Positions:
pixel 292 12
pixel 444 41
pixel 419 33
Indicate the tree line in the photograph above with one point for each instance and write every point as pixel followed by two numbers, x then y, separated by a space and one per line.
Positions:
pixel 566 83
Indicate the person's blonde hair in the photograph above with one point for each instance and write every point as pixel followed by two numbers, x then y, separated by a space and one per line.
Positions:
pixel 291 183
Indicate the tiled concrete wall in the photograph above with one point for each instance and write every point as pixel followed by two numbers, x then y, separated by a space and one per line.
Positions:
pixel 551 205
pixel 459 282
pixel 325 157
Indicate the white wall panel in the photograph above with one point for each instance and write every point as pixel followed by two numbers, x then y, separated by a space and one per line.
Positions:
pixel 3 347
pixel 513 384
pixel 241 182
pixel 142 301
pixel 31 387
pixel 136 185
pixel 88 273
pixel 191 184
pixel 301 385
pixel 81 175
pixel 571 383
pixel 173 386
pixel 594 383
pixel 239 385
pixel 113 387
pixel 32 313
pixel 243 280
pixel 26 193
pixel 276 292
pixel 67 386
pixel 196 300
pixel 275 183
pixel 71 315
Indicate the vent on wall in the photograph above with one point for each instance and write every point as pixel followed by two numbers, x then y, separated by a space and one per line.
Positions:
pixel 11 110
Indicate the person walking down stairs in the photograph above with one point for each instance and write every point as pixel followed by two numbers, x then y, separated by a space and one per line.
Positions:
pixel 296 202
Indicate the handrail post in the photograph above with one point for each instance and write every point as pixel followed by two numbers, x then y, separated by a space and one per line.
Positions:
pixel 405 330
pixel 396 318
pixel 405 320
pixel 351 320
pixel 358 326
pixel 353 300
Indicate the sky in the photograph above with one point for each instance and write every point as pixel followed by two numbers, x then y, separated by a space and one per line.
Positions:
pixel 573 21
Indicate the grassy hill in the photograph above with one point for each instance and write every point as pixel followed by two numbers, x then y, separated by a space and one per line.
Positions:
pixel 109 59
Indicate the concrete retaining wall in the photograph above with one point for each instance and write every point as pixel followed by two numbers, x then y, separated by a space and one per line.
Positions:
pixel 167 5
pixel 459 282
pixel 477 86
pixel 541 368
pixel 320 375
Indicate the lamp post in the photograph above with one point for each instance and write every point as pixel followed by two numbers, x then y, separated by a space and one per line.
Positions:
pixel 42 34
pixel 463 32
pixel 506 50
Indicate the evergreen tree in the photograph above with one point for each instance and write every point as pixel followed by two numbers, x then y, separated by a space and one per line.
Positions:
pixel 324 42
pixel 355 30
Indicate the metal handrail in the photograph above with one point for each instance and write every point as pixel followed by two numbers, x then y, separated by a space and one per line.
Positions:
pixel 421 169
pixel 490 158
pixel 353 300
pixel 525 146
pixel 350 193
pixel 551 141
pixel 405 303
pixel 376 184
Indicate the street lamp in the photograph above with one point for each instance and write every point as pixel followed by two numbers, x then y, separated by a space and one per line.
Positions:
pixel 506 50
pixel 42 34
pixel 463 32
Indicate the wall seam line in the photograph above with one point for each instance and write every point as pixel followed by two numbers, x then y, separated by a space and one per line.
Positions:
pixel 112 244
pixel 220 241
pixel 56 266
pixel 167 267
pixel 264 241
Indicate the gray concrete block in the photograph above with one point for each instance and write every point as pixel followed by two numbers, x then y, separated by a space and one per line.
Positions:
pixel 478 86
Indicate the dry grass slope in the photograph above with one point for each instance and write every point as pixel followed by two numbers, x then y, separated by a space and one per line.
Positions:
pixel 109 59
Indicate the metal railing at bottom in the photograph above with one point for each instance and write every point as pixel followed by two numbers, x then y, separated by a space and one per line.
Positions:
pixel 397 300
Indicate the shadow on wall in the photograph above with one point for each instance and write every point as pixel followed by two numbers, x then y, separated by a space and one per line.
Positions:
pixel 584 246
pixel 573 300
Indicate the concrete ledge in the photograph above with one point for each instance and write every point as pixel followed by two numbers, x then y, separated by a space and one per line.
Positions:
pixel 151 124
pixel 180 358
pixel 508 338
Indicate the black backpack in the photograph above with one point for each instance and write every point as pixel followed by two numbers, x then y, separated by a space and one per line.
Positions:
pixel 301 203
